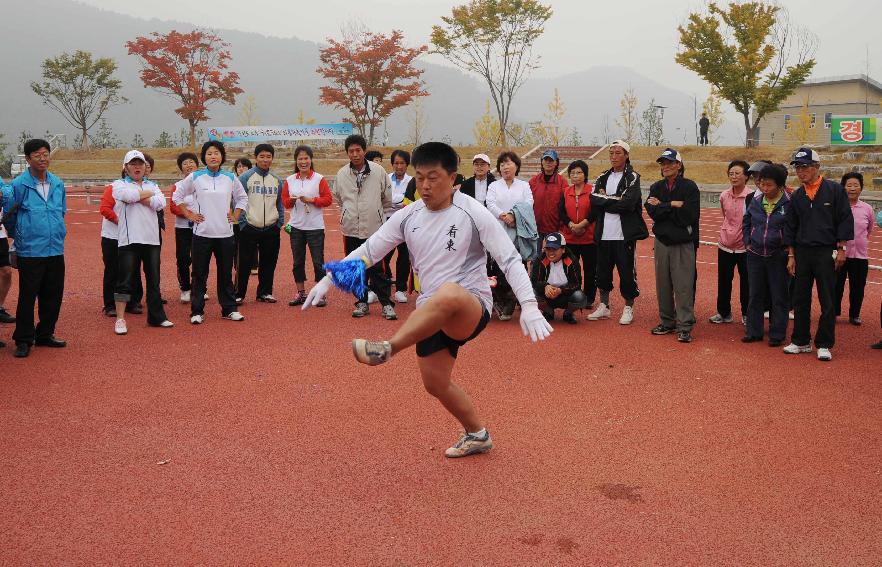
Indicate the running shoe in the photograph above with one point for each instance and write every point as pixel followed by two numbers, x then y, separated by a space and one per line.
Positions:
pixel 371 353
pixel 469 444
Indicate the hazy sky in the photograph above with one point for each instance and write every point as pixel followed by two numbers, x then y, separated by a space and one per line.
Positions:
pixel 641 34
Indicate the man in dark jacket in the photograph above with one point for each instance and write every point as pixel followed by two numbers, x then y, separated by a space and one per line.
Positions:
pixel 674 206
pixel 616 208
pixel 557 279
pixel 548 186
pixel 703 127
pixel 818 226
pixel 476 185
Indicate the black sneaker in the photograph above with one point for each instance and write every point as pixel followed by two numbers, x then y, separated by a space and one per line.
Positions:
pixel 661 330
pixel 569 318
pixel 110 311
pixel 684 337
pixel 876 346
pixel 549 315
pixel 5 317
pixel 749 339
pixel 776 342
pixel 135 309
pixel 299 299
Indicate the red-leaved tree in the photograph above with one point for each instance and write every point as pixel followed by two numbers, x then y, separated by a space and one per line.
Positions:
pixel 190 67
pixel 371 75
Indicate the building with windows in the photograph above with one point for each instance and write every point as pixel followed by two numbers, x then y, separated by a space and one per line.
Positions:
pixel 805 116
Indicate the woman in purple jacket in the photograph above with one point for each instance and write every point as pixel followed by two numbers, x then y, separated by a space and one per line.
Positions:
pixel 763 231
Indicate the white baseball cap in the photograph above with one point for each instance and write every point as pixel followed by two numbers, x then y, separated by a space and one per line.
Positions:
pixel 133 154
pixel 482 157
pixel 621 144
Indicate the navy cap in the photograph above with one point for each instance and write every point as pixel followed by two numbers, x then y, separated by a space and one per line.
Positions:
pixel 669 154
pixel 555 240
pixel 805 156
pixel 549 153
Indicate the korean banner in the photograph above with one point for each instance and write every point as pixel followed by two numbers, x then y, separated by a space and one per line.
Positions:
pixel 860 130
pixel 228 134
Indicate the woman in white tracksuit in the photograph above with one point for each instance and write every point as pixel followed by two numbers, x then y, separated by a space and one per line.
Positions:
pixel 212 190
pixel 137 202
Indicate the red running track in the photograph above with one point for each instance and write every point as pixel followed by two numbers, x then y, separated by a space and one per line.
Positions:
pixel 613 447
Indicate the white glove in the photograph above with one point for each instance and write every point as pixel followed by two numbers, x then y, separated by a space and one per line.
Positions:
pixel 318 292
pixel 533 323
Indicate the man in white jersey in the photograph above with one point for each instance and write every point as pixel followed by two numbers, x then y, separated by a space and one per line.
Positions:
pixel 448 235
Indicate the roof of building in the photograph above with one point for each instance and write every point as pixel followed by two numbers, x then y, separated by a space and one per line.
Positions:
pixel 844 79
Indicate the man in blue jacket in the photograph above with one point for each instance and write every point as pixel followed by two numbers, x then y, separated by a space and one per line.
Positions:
pixel 36 204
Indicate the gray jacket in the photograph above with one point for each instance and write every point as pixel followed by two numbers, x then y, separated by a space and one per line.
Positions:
pixel 362 210
pixel 524 233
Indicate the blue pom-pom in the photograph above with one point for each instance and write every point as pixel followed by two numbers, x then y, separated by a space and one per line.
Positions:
pixel 349 276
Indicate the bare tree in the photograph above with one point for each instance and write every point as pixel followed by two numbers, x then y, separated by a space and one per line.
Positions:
pixel 494 39
pixel 628 120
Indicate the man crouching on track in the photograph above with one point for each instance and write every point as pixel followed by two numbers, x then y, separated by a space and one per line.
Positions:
pixel 448 235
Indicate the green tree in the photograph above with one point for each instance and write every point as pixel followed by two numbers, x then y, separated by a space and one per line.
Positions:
pixel 105 138
pixel 750 53
pixel 248 115
pixel 165 141
pixel 494 39
pixel 79 88
pixel 138 141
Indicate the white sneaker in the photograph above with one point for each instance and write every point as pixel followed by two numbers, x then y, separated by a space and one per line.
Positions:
pixel 601 312
pixel 797 349
pixel 790 315
pixel 197 319
pixel 235 316
pixel 825 354
pixel 372 297
pixel 400 297
pixel 185 296
pixel 166 324
pixel 120 327
pixel 718 319
pixel 205 297
pixel 627 315
pixel 765 314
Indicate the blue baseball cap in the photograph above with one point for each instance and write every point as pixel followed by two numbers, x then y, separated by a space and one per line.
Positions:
pixel 805 156
pixel 551 154
pixel 670 154
pixel 555 240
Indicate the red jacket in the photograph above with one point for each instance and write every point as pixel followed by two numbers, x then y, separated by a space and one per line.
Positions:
pixel 176 210
pixel 107 204
pixel 546 201
pixel 570 212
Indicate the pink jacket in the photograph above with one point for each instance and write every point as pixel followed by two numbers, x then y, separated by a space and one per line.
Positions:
pixel 731 238
pixel 863 226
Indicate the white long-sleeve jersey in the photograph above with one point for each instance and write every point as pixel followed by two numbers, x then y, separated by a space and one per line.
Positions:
pixel 450 246
pixel 138 223
pixel 214 192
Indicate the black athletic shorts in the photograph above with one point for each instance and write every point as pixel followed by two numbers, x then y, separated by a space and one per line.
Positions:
pixel 4 252
pixel 439 341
